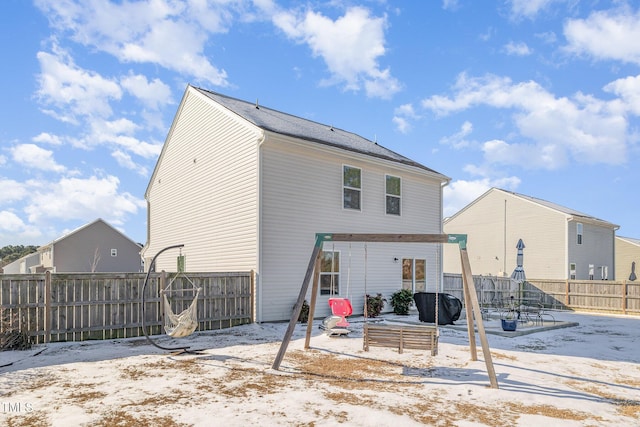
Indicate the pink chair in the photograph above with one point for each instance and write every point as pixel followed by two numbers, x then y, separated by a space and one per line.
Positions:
pixel 341 307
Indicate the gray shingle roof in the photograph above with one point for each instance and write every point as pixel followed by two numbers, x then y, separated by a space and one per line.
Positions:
pixel 557 207
pixel 287 124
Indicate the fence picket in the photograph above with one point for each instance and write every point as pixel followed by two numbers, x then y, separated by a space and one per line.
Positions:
pixel 73 307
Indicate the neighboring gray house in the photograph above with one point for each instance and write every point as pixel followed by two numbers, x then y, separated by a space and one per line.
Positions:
pixel 627 258
pixel 245 187
pixel 94 247
pixel 560 243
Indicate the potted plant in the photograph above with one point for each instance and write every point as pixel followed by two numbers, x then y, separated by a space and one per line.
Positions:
pixel 304 312
pixel 401 301
pixel 375 304
pixel 509 322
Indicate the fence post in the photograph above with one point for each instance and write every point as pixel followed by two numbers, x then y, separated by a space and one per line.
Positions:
pixel 566 293
pixel 47 306
pixel 161 285
pixel 624 297
pixel 252 291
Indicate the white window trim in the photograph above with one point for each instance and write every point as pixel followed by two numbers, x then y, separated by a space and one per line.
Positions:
pixel 336 253
pixel 579 233
pixel 392 195
pixel 351 188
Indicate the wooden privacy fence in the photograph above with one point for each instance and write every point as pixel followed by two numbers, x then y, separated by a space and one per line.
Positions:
pixel 595 295
pixel 76 307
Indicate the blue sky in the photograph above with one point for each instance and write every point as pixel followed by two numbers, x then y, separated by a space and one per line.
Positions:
pixel 541 97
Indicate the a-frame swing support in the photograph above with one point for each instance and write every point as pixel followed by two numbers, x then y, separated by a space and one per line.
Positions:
pixel 472 306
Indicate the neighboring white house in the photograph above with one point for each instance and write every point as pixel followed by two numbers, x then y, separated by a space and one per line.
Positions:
pixel 560 243
pixel 627 258
pixel 95 247
pixel 23 265
pixel 245 187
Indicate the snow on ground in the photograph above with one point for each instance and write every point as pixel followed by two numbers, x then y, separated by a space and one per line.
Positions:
pixel 587 375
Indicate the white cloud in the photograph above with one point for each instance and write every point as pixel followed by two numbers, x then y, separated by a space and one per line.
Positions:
pixel 13 231
pixel 458 140
pixel 85 199
pixel 153 94
pixel 168 33
pixel 402 117
pixel 528 8
pixel 32 156
pixel 460 193
pixel 591 130
pixel 350 47
pixel 527 156
pixel 10 222
pixel 47 138
pixel 517 49
pixel 628 89
pixel 12 190
pixel 125 161
pixel 606 35
pixel 450 4
pixel 74 91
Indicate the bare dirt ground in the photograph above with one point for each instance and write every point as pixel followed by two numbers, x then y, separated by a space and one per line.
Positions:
pixel 587 375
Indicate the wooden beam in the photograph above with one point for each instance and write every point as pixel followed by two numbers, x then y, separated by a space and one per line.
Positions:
pixel 314 297
pixel 468 306
pixel 471 287
pixel 298 307
pixel 366 237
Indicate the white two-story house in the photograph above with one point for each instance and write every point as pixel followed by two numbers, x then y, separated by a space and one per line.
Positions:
pixel 245 187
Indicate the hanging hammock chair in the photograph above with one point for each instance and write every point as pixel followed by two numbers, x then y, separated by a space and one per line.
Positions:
pixel 186 322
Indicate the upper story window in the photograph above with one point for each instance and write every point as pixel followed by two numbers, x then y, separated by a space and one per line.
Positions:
pixel 393 185
pixel 579 233
pixel 351 187
pixel 330 273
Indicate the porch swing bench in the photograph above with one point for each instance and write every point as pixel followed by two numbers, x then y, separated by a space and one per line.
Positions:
pixel 415 337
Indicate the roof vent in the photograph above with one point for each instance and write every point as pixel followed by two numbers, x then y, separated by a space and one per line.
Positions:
pixel 331 128
pixel 257 105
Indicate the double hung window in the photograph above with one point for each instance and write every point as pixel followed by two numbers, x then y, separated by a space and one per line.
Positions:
pixel 393 194
pixel 351 187
pixel 330 273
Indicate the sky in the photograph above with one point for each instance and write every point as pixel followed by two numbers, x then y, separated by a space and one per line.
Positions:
pixel 540 97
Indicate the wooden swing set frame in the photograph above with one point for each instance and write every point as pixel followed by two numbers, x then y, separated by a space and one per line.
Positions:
pixel 472 306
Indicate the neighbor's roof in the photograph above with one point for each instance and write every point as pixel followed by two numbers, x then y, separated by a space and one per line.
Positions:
pixel 556 207
pixel 287 124
pixel 82 227
pixel 630 240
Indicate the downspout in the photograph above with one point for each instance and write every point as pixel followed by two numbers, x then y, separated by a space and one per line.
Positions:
pixel 440 246
pixel 258 274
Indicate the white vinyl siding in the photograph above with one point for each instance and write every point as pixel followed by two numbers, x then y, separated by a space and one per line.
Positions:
pixel 495 223
pixel 597 249
pixel 627 253
pixel 205 195
pixel 294 210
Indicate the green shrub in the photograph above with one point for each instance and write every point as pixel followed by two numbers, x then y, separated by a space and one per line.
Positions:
pixel 401 301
